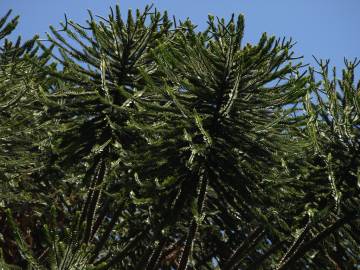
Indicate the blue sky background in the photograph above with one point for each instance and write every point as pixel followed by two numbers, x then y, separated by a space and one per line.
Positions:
pixel 324 28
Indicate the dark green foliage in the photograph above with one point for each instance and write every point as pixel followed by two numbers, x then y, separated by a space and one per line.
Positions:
pixel 146 144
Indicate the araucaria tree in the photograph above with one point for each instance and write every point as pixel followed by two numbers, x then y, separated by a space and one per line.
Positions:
pixel 146 144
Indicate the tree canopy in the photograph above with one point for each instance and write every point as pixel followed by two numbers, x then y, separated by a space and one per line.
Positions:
pixel 140 142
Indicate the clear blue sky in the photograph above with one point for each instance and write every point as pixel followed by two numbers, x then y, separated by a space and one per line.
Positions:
pixel 324 28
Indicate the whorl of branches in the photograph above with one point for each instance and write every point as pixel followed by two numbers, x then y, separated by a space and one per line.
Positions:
pixel 146 144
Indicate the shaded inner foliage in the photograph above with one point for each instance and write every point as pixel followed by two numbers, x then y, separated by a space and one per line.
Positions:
pixel 143 143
